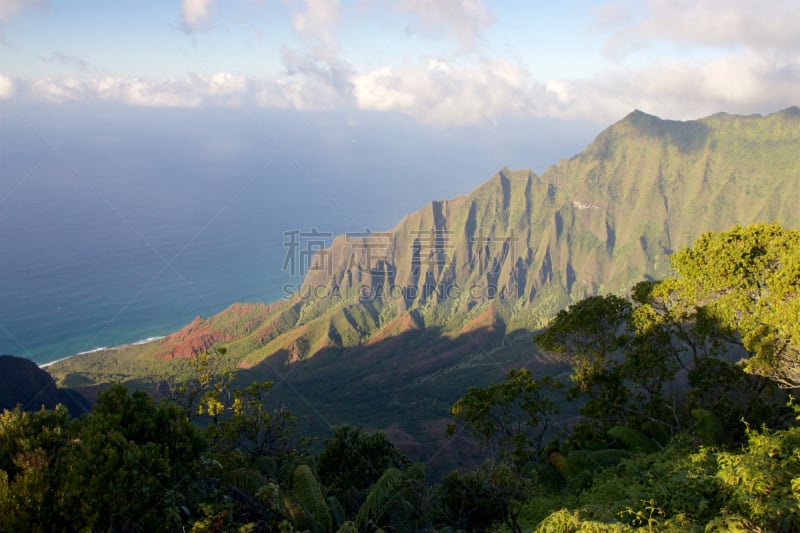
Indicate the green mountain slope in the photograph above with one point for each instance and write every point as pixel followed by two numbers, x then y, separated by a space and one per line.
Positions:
pixel 463 275
pixel 529 245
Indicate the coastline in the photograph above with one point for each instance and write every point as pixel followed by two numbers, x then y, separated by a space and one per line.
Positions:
pixel 101 348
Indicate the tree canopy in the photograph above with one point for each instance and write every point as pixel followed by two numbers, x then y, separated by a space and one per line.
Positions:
pixel 685 422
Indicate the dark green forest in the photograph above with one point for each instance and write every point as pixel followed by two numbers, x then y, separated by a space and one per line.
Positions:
pixel 688 422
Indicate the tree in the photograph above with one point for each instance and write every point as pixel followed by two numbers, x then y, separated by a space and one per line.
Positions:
pixel 592 335
pixel 510 418
pixel 353 460
pixel 204 393
pixel 132 465
pixel 587 334
pixel 248 433
pixel 475 500
pixel 30 446
pixel 747 279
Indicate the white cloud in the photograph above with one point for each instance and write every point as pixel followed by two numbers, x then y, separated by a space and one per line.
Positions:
pixel 463 20
pixel 314 23
pixel 754 24
pixel 221 83
pixel 222 88
pixel 6 87
pixel 745 83
pixel 441 93
pixel 297 94
pixel 316 78
pixel 436 92
pixel 168 93
pixel 58 89
pixel 329 75
pixel 195 14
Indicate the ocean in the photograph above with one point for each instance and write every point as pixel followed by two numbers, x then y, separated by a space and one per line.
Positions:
pixel 120 224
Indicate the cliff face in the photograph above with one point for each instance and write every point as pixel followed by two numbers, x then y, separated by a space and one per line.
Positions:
pixel 529 244
pixel 521 246
pixel 23 383
pixel 390 328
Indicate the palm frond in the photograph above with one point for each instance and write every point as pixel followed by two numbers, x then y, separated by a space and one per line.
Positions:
pixel 609 457
pixel 381 498
pixel 245 479
pixel 308 510
pixel 634 439
pixel 707 426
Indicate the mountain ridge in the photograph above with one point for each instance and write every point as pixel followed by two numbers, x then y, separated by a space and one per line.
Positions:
pixel 501 259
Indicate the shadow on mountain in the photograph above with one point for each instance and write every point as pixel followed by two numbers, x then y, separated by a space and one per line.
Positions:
pixel 687 136
pixel 23 383
pixel 403 385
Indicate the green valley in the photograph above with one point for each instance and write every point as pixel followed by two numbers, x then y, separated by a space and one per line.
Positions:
pixel 389 328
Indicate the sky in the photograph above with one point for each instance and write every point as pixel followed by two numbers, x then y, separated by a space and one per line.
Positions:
pixel 443 63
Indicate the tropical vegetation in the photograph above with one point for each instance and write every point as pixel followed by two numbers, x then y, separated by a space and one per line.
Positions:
pixel 687 422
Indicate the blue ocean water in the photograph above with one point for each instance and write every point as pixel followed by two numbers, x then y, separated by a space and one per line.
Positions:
pixel 122 224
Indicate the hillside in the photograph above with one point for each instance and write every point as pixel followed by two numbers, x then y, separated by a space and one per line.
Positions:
pixel 392 326
pixel 24 384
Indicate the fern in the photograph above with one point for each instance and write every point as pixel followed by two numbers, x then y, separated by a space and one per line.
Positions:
pixel 244 479
pixel 609 457
pixel 708 427
pixel 337 512
pixel 307 507
pixel 634 439
pixel 570 466
pixel 348 527
pixel 732 524
pixel 380 499
pixel 658 432
pixel 581 461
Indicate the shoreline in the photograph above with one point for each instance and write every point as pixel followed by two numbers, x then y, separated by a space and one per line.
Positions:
pixel 101 348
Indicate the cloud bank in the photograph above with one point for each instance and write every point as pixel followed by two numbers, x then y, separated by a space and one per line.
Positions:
pixel 751 64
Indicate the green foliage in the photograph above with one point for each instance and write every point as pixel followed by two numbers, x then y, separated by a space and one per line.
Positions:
pixel 253 435
pixel 588 332
pixel 762 484
pixel 735 398
pixel 690 488
pixel 708 427
pixel 29 446
pixel 202 393
pixel 131 465
pixel 395 501
pixel 579 466
pixel 735 288
pixel 633 439
pixel 307 505
pixel 748 279
pixel 352 461
pixel 474 500
pixel 510 418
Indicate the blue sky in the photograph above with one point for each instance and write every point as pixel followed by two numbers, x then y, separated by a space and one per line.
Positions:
pixel 442 62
